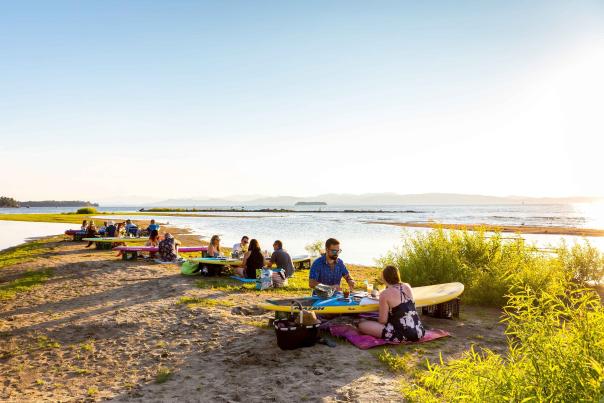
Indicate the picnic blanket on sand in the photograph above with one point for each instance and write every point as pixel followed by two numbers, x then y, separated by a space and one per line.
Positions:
pixel 364 341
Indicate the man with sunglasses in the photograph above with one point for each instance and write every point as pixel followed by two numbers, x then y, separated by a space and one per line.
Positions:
pixel 241 247
pixel 329 269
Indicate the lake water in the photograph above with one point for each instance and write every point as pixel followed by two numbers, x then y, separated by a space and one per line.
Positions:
pixel 15 232
pixel 362 242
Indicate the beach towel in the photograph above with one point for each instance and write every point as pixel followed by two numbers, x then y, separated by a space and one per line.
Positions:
pixel 364 341
pixel 244 280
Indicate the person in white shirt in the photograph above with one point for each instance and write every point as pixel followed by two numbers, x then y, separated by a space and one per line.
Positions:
pixel 241 247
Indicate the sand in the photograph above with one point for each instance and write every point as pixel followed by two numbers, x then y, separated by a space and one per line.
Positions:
pixel 102 328
pixel 520 229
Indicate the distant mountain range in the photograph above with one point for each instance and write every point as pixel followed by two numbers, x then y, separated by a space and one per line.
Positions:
pixel 370 199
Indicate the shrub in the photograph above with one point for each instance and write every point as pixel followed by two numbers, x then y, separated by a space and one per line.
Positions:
pixel 556 353
pixel 87 210
pixel 488 266
pixel 582 263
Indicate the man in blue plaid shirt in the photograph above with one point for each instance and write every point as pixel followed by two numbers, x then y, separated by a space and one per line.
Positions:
pixel 329 269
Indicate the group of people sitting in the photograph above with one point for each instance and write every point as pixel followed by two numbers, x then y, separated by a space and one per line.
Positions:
pixel 398 319
pixel 253 258
pixel 117 230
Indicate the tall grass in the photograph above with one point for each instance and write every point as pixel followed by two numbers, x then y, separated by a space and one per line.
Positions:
pixel 490 266
pixel 556 354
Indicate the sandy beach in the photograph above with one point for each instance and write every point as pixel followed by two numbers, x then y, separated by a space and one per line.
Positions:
pixel 519 229
pixel 102 328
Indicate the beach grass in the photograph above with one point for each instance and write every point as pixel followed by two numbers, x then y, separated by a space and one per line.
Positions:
pixel 24 283
pixel 25 252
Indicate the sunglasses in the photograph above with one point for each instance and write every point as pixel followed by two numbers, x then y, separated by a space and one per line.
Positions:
pixel 335 251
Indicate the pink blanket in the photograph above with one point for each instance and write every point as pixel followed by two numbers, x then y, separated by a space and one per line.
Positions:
pixel 364 341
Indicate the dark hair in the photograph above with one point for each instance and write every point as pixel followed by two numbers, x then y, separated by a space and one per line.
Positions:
pixel 154 235
pixel 391 275
pixel 215 237
pixel 278 243
pixel 245 237
pixel 331 242
pixel 254 246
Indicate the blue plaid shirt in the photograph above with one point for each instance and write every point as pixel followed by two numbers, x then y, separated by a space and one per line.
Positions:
pixel 324 274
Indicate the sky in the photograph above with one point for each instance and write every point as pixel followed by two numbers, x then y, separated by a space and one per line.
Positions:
pixel 151 100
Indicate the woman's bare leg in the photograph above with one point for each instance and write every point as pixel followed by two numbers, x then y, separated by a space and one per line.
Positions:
pixel 371 328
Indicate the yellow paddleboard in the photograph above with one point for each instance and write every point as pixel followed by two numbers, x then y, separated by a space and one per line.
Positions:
pixel 424 296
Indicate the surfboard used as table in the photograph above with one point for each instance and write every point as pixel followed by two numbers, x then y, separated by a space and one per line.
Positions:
pixel 237 262
pixel 361 302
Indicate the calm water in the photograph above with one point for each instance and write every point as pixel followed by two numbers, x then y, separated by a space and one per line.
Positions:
pixel 363 242
pixel 15 232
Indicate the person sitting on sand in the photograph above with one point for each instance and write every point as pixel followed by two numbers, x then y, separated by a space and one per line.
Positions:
pixel 329 269
pixel 153 241
pixel 91 232
pixel 111 230
pixel 252 260
pixel 214 247
pixel 84 226
pixel 168 251
pixel 282 259
pixel 398 320
pixel 152 226
pixel 241 247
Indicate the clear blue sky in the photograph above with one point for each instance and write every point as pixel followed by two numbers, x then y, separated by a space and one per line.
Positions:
pixel 234 97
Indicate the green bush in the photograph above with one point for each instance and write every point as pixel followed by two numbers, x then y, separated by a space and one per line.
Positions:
pixel 556 354
pixel 87 210
pixel 582 263
pixel 488 266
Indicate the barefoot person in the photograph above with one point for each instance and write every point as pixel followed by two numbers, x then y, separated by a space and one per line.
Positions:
pixel 398 320
pixel 329 269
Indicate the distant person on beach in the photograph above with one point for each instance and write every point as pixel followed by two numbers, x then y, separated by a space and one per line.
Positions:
pixel 152 226
pixel 91 232
pixel 103 229
pixel 84 226
pixel 214 247
pixel 252 260
pixel 329 269
pixel 111 230
pixel 131 229
pixel 153 241
pixel 241 247
pixel 282 259
pixel 398 319
pixel 168 251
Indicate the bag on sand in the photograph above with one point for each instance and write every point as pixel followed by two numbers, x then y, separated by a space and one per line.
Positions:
pixel 279 278
pixel 298 330
pixel 266 279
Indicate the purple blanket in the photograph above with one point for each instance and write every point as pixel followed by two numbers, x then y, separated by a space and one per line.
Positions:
pixel 364 341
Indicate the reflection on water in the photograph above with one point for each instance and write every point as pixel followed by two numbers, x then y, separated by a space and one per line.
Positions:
pixel 15 232
pixel 361 243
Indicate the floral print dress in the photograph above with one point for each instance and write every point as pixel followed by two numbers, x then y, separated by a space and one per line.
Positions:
pixel 403 322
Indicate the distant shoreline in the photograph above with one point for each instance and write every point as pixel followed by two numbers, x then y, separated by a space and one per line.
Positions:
pixel 521 229
pixel 270 210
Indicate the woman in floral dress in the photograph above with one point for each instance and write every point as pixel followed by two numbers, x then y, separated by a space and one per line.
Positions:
pixel 398 319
